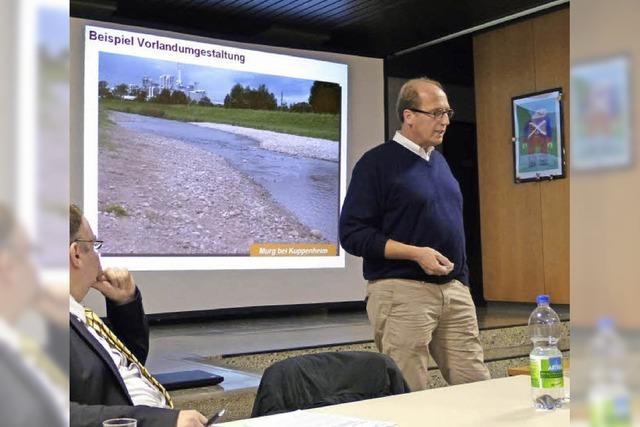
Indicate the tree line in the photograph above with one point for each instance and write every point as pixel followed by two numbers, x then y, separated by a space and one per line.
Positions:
pixel 166 96
pixel 324 97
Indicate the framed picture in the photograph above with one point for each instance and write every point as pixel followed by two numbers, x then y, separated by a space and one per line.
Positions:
pixel 538 151
pixel 601 134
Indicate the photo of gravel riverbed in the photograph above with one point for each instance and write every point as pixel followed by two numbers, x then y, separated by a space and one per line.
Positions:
pixel 181 175
pixel 163 195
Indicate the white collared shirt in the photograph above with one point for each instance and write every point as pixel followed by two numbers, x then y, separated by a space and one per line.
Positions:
pixel 412 146
pixel 9 337
pixel 141 390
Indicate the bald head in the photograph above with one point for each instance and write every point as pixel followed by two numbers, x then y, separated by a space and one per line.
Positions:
pixel 409 96
pixel 425 113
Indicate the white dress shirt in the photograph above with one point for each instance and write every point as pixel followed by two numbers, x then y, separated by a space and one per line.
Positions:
pixel 412 146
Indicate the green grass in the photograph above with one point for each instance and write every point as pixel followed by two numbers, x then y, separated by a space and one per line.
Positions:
pixel 117 210
pixel 104 125
pixel 326 126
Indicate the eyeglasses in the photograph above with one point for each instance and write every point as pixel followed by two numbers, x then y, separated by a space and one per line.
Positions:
pixel 436 114
pixel 97 244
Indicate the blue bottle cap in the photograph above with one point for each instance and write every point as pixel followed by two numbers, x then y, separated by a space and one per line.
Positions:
pixel 542 299
pixel 606 322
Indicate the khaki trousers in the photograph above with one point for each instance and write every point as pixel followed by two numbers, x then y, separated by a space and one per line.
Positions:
pixel 413 319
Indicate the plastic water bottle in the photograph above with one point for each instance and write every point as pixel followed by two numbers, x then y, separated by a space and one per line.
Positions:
pixel 609 402
pixel 547 380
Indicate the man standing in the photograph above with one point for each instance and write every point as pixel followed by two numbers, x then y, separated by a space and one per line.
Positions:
pixel 403 215
pixel 107 374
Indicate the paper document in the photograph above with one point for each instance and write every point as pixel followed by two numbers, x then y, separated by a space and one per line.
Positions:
pixel 313 419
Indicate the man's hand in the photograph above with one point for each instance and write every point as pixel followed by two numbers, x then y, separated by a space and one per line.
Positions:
pixel 191 418
pixel 430 260
pixel 433 262
pixel 116 284
pixel 53 305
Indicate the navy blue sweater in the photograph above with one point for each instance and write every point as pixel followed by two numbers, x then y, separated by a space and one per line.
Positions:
pixel 395 194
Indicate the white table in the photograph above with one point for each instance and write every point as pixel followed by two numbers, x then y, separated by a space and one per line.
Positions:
pixel 498 402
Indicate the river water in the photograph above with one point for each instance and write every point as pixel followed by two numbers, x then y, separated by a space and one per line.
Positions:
pixel 307 187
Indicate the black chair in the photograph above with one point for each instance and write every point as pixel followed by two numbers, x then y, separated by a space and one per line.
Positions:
pixel 316 380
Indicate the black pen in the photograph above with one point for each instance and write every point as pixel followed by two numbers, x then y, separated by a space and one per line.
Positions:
pixel 215 416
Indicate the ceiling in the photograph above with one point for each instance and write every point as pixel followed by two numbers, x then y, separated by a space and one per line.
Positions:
pixel 376 28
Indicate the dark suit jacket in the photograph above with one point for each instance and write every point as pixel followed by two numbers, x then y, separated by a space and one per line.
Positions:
pixel 24 402
pixel 97 391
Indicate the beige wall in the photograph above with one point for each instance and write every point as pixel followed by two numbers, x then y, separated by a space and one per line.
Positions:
pixel 525 227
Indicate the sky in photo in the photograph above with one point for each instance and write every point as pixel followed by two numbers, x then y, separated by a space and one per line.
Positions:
pixel 117 68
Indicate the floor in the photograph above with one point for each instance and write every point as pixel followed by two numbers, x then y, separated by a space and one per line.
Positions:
pixel 184 347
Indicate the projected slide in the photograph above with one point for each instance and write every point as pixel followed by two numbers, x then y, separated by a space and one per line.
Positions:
pixel 201 156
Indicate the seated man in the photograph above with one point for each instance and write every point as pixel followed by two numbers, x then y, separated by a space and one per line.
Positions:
pixel 107 374
pixel 32 384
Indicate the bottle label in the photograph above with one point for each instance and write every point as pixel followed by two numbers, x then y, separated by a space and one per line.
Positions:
pixel 546 372
pixel 610 411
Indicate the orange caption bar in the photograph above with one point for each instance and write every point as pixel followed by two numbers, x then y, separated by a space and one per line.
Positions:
pixel 292 249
